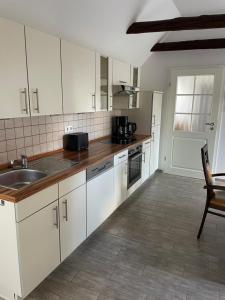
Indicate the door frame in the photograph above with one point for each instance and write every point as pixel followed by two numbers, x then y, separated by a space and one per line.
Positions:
pixel 168 113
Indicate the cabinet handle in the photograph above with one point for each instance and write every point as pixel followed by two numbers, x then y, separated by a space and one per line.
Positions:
pixel 93 101
pixel 121 81
pixel 146 143
pixel 143 153
pixel 35 97
pixel 23 96
pixel 153 119
pixel 65 202
pixel 122 156
pixel 56 224
pixel 153 136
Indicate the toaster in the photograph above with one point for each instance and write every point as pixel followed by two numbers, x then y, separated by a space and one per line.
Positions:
pixel 75 141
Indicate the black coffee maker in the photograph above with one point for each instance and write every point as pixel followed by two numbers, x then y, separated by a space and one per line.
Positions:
pixel 122 130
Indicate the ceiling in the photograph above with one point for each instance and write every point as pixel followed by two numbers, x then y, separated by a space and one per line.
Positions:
pixel 101 24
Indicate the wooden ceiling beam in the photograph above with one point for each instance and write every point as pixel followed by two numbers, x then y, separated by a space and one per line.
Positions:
pixel 181 23
pixel 189 45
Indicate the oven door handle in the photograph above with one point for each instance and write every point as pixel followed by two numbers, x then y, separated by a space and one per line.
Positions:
pixel 135 156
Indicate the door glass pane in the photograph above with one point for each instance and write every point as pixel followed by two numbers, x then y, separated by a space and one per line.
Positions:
pixel 182 122
pixel 204 84
pixel 184 104
pixel 185 84
pixel 135 77
pixel 104 83
pixel 202 104
pixel 198 123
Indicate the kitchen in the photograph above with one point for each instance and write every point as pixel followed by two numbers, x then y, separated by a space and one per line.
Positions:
pixel 99 154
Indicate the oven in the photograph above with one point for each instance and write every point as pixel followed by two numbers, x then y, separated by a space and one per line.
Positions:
pixel 134 165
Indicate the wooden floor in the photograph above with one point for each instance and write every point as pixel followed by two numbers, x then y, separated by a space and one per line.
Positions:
pixel 148 250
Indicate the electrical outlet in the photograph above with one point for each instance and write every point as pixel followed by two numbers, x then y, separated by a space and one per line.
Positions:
pixel 68 129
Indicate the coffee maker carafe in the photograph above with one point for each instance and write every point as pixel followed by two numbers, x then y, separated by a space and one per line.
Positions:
pixel 122 130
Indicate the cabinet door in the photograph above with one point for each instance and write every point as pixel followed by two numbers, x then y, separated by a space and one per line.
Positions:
pixel 39 252
pixel 146 164
pixel 121 73
pixel 156 108
pixel 102 83
pixel 110 93
pixel 44 72
pixel 13 72
pixel 155 147
pixel 78 78
pixel 120 183
pixel 100 200
pixel 72 220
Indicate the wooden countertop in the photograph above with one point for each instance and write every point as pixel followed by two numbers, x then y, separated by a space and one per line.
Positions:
pixel 98 151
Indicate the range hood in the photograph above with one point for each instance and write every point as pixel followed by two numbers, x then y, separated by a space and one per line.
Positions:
pixel 124 90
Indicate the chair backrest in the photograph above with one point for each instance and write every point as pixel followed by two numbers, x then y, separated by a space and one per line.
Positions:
pixel 206 166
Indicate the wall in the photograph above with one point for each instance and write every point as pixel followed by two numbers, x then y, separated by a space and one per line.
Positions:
pixel 37 135
pixel 155 76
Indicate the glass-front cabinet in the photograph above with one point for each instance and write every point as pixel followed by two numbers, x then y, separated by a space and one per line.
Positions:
pixel 135 79
pixel 103 83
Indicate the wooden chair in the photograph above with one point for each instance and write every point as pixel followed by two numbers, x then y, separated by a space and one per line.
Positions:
pixel 215 193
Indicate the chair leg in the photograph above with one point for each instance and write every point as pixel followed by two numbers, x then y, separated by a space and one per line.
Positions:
pixel 203 222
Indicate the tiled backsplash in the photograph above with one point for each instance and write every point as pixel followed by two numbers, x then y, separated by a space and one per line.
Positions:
pixel 37 135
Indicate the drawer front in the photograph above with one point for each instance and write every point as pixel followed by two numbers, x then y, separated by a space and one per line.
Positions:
pixel 120 157
pixel 71 183
pixel 146 144
pixel 32 204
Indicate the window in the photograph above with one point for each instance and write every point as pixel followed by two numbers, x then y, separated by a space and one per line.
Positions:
pixel 193 102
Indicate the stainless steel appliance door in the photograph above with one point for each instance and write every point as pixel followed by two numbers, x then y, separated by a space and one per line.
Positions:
pixel 134 169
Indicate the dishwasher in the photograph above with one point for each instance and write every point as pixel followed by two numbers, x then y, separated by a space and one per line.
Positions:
pixel 100 194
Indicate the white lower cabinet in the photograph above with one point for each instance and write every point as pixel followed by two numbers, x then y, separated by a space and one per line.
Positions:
pixel 120 183
pixel 39 251
pixel 72 220
pixel 100 200
pixel 145 171
pixel 155 144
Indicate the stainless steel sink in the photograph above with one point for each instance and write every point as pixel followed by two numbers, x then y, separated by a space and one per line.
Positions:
pixel 17 179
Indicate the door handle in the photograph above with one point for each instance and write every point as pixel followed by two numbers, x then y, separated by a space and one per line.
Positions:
pixel 56 224
pixel 66 210
pixel 212 124
pixel 23 96
pixel 93 102
pixel 35 97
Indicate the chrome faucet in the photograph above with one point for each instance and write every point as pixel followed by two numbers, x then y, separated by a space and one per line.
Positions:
pixel 20 163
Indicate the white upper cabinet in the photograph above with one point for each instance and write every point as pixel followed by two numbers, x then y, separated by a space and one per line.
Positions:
pixel 103 83
pixel 78 78
pixel 121 73
pixel 13 72
pixel 44 72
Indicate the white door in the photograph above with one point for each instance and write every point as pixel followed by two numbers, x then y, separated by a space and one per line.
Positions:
pixel 72 220
pixel 39 251
pixel 100 200
pixel 13 72
pixel 120 183
pixel 44 72
pixel 78 78
pixel 193 119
